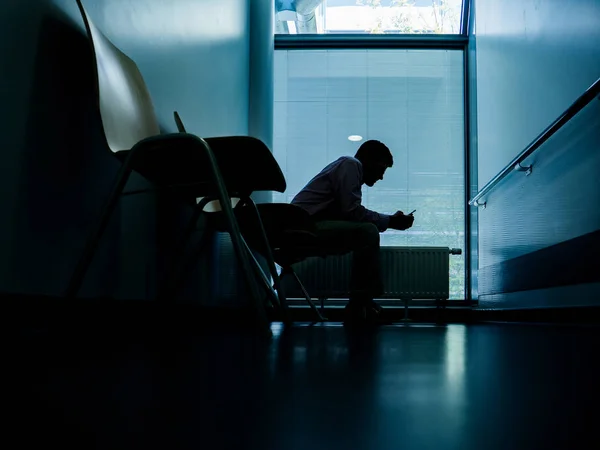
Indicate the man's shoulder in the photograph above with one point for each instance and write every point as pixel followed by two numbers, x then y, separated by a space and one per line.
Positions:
pixel 342 166
pixel 347 161
pixel 347 165
pixel 346 170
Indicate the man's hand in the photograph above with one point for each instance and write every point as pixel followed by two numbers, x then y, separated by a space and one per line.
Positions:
pixel 399 221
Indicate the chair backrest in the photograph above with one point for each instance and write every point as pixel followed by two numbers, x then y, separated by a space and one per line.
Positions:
pixel 246 163
pixel 125 104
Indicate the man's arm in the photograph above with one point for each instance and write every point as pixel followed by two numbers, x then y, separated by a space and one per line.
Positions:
pixel 348 183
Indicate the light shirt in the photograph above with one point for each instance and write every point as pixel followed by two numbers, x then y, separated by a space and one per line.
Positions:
pixel 336 194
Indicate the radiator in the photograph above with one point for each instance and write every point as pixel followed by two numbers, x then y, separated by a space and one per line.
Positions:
pixel 408 273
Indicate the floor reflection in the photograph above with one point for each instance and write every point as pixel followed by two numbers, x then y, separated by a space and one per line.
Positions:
pixel 455 356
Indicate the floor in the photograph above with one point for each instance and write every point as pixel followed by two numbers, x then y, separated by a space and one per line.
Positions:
pixel 478 386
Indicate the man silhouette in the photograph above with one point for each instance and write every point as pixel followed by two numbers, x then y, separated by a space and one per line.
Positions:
pixel 333 199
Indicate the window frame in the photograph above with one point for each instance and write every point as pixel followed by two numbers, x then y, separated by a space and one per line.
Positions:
pixel 464 28
pixel 411 41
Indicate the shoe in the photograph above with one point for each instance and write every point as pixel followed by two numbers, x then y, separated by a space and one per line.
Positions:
pixel 355 313
pixel 375 313
pixel 361 314
pixel 375 307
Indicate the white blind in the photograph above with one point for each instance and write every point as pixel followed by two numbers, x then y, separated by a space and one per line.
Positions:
pixel 411 100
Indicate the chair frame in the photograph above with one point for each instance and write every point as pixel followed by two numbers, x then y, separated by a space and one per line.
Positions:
pixel 276 291
pixel 167 142
pixel 232 227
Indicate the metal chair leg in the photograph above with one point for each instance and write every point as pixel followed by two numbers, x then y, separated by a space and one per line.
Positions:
pixel 261 276
pixel 307 297
pixel 93 240
pixel 238 243
pixel 268 254
pixel 246 267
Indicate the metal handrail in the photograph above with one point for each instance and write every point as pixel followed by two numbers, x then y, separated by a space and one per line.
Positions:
pixel 585 99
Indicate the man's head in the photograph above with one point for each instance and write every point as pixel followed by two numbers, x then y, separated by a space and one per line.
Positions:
pixel 375 158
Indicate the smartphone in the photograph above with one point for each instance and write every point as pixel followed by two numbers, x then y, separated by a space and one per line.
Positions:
pixel 412 212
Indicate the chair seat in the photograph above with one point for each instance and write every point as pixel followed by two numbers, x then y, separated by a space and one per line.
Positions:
pixel 289 229
pixel 173 160
pixel 300 248
pixel 279 220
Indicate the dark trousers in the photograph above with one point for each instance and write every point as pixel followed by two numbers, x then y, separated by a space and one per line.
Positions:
pixel 362 239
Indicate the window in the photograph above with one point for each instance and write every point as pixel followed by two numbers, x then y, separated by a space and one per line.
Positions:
pixel 412 100
pixel 368 16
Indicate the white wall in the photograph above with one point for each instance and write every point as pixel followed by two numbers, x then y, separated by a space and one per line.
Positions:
pixel 534 58
pixel 194 55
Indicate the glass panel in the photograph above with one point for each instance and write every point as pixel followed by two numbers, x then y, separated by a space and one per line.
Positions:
pixel 412 100
pixel 367 16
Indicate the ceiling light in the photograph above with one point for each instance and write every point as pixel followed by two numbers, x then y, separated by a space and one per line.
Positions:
pixel 355 138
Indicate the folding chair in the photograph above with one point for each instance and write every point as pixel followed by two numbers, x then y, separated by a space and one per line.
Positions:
pixel 247 166
pixel 280 232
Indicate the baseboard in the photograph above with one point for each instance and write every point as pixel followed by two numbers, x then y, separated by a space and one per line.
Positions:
pixel 465 314
pixel 27 314
pixel 390 314
pixel 567 315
